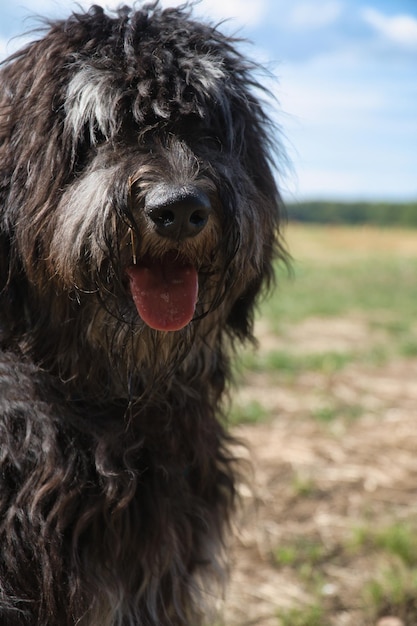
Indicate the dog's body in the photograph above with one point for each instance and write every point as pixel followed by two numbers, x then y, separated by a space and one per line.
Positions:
pixel 138 222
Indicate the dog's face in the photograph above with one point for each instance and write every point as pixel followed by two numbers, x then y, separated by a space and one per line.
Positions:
pixel 136 188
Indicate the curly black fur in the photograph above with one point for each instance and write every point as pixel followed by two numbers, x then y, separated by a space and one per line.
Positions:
pixel 117 480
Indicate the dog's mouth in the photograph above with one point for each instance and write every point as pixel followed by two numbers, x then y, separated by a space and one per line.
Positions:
pixel 164 291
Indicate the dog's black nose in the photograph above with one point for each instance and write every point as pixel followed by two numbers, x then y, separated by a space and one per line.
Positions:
pixel 177 212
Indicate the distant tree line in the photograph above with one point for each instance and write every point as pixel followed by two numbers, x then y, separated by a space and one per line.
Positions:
pixel 377 213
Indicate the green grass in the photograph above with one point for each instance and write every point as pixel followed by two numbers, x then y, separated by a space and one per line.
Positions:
pixel 377 289
pixel 408 347
pixel 299 552
pixel 329 413
pixel 393 591
pixel 319 288
pixel 308 616
pixel 402 331
pixel 251 413
pixel 381 290
pixel 290 364
pixel 303 486
pixel 398 539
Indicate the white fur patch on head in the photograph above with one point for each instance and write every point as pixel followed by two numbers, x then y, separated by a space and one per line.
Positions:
pixel 94 95
pixel 91 101
pixel 208 71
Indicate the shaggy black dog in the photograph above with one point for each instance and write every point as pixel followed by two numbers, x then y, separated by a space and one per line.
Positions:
pixel 138 222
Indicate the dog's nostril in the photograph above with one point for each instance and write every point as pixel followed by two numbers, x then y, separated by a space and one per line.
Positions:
pixel 164 219
pixel 199 218
pixel 177 212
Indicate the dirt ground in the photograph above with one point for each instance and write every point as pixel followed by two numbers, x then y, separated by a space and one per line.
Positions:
pixel 315 481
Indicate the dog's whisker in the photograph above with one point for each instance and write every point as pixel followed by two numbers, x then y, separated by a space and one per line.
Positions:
pixel 132 243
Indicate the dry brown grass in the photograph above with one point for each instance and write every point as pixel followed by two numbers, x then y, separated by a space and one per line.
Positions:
pixel 338 243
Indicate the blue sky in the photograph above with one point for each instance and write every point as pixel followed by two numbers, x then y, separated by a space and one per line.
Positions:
pixel 346 85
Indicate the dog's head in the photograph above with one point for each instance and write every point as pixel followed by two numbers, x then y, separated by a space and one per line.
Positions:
pixel 136 185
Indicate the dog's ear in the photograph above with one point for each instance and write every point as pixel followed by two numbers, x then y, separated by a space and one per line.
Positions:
pixel 36 161
pixel 241 316
pixel 33 94
pixel 254 136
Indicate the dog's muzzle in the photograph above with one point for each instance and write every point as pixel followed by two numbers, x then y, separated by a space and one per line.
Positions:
pixel 177 212
pixel 165 288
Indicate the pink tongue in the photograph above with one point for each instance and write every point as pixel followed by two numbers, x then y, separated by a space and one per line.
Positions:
pixel 164 292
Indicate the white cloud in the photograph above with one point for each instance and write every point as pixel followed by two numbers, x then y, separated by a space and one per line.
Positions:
pixel 359 181
pixel 349 136
pixel 327 90
pixel 399 29
pixel 312 15
pixel 324 183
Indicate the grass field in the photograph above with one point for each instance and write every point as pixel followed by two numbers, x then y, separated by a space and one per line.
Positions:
pixel 328 405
